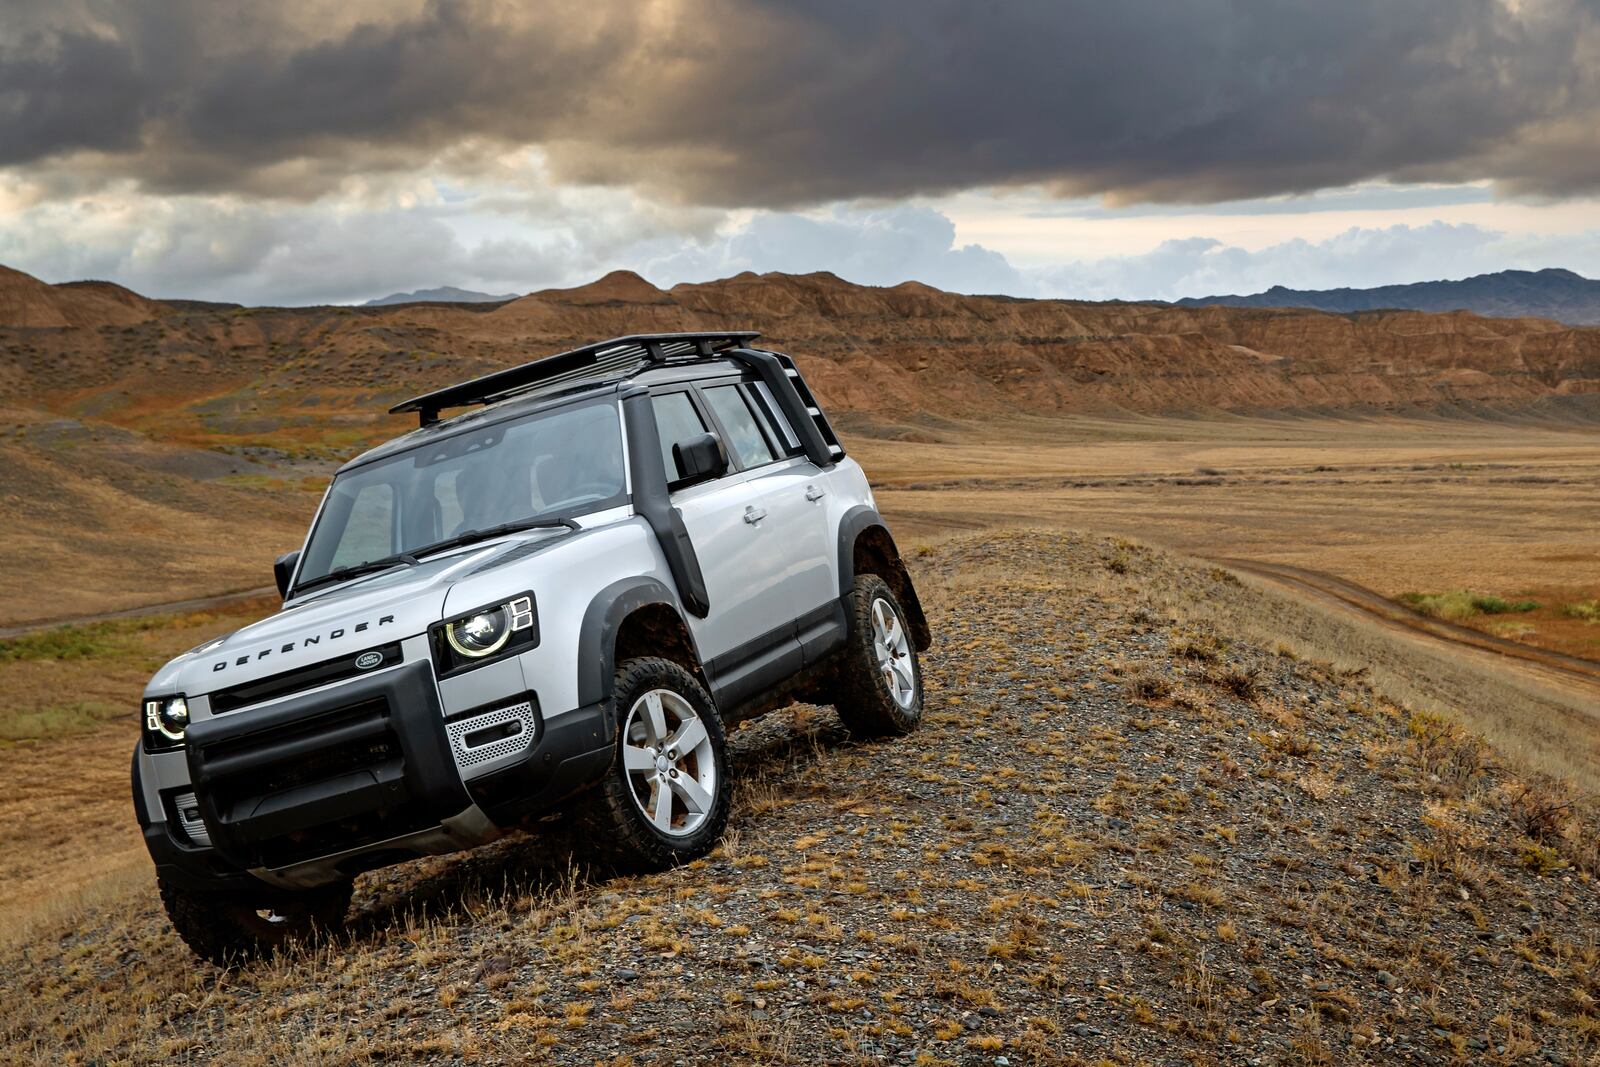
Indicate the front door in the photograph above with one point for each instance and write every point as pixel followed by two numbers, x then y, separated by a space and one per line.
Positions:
pixel 748 634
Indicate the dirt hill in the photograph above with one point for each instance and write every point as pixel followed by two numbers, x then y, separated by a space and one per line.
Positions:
pixel 211 418
pixel 1120 837
pixel 881 352
pixel 27 302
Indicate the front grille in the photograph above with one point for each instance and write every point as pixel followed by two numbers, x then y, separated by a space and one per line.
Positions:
pixel 311 750
pixel 301 679
pixel 285 770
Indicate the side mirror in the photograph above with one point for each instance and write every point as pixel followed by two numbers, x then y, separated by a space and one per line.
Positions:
pixel 283 570
pixel 699 459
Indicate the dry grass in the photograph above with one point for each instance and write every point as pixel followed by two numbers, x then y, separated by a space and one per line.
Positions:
pixel 1392 504
pixel 1071 861
pixel 67 728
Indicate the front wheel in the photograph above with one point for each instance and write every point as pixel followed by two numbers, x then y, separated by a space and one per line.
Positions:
pixel 879 687
pixel 665 800
pixel 230 928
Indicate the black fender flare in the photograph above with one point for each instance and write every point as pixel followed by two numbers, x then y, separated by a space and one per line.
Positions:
pixel 141 810
pixel 602 621
pixel 854 523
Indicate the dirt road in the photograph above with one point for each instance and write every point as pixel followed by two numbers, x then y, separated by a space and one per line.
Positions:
pixel 1569 670
pixel 174 607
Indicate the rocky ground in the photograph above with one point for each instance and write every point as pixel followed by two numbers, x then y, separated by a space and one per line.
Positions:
pixel 1120 837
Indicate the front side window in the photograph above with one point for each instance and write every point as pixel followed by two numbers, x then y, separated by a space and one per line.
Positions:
pixel 558 463
pixel 677 422
pixel 745 438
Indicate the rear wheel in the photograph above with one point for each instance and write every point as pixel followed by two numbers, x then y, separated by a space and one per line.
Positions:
pixel 229 928
pixel 665 800
pixel 879 687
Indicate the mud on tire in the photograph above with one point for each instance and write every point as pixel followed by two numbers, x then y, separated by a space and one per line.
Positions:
pixel 878 688
pixel 665 800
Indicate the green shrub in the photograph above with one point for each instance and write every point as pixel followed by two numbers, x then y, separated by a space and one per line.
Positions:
pixel 1460 604
pixel 1583 610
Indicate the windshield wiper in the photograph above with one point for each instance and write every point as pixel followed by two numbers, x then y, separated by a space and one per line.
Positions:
pixel 356 570
pixel 468 537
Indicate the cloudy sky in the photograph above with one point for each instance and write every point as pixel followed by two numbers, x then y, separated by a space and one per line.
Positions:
pixel 335 150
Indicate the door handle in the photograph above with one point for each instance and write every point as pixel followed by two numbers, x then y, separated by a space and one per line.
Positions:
pixel 814 494
pixel 753 514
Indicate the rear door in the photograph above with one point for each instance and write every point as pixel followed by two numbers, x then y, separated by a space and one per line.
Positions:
pixel 750 620
pixel 794 493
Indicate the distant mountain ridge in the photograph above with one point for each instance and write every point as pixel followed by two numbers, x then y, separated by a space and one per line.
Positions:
pixel 1555 294
pixel 445 294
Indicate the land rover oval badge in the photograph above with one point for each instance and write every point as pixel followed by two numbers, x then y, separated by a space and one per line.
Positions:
pixel 368 660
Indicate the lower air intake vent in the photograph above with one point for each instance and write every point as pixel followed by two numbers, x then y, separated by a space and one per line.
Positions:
pixel 483 742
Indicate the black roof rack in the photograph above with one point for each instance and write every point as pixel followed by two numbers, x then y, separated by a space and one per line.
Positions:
pixel 603 360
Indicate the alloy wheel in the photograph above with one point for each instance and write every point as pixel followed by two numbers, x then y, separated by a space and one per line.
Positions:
pixel 668 758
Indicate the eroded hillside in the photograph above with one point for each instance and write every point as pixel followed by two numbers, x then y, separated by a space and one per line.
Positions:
pixel 183 444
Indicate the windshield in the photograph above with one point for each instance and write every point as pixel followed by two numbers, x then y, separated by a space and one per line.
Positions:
pixel 554 464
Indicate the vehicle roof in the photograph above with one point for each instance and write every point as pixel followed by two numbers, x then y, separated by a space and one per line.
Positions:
pixel 522 404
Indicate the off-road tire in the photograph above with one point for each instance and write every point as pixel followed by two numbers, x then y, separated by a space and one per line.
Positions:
pixel 861 692
pixel 226 928
pixel 615 832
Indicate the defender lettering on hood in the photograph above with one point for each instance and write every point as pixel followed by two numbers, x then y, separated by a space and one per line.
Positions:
pixel 306 642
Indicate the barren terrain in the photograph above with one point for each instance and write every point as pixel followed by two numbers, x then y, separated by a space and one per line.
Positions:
pixel 1164 809
pixel 1122 836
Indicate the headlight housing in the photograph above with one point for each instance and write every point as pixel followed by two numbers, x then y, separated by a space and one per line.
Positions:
pixel 165 720
pixel 483 636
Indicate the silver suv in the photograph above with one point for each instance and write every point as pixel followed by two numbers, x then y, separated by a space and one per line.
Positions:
pixel 562 597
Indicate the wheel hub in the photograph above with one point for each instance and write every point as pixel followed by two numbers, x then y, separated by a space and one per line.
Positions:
pixel 669 761
pixel 892 648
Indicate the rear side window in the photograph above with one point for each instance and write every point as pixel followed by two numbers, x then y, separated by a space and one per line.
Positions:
pixel 677 421
pixel 777 426
pixel 745 438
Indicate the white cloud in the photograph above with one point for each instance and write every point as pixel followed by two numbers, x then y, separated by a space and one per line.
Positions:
pixel 527 232
pixel 872 247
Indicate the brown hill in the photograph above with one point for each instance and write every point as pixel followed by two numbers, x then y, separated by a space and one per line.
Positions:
pixel 223 422
pixel 25 301
pixel 877 351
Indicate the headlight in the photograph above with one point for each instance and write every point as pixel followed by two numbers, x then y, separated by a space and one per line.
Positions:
pixel 479 635
pixel 166 720
pixel 488 633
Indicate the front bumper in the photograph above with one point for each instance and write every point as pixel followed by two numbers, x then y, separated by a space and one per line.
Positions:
pixel 321 786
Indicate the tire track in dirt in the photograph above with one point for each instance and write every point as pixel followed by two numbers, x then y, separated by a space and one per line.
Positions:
pixel 173 607
pixel 1571 670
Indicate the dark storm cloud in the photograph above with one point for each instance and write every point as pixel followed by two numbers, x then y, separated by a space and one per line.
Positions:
pixel 752 102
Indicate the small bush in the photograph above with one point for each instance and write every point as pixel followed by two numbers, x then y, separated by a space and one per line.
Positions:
pixel 1460 604
pixel 1201 647
pixel 1147 685
pixel 1542 810
pixel 1583 610
pixel 1244 683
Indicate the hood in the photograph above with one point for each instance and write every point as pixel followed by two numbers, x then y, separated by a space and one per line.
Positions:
pixel 364 613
